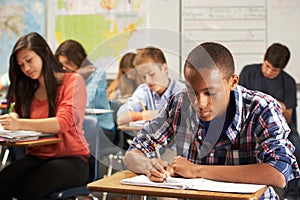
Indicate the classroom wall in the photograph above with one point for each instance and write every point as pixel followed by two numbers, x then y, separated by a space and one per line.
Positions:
pixel 280 20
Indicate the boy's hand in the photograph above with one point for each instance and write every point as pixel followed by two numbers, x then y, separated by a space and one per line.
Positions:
pixel 155 171
pixel 182 167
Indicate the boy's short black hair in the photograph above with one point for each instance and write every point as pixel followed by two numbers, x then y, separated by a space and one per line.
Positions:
pixel 278 55
pixel 211 55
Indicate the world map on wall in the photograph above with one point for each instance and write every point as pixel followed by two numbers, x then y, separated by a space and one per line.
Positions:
pixel 104 27
pixel 17 18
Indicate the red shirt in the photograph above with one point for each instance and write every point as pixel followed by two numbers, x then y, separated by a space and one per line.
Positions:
pixel 70 114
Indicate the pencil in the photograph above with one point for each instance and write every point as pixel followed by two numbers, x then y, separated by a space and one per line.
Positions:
pixel 159 159
pixel 143 106
pixel 157 152
pixel 11 108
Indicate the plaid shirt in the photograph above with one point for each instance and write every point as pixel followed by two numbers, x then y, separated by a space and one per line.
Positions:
pixel 257 134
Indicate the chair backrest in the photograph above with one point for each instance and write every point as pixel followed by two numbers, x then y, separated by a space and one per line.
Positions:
pixel 92 135
pixel 115 105
pixel 294 117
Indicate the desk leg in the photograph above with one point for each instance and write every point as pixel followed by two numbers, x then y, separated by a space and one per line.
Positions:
pixel 4 159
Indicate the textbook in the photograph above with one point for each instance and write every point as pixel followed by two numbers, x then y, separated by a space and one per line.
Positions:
pixel 195 184
pixel 19 136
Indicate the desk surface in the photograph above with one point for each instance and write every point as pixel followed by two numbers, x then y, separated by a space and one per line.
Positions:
pixel 32 143
pixel 3 106
pixel 112 184
pixel 127 127
pixel 97 111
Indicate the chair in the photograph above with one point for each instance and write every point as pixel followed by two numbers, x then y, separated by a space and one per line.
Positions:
pixel 112 155
pixel 92 135
pixel 294 117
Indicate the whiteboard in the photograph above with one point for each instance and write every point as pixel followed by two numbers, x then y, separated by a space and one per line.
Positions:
pixel 246 27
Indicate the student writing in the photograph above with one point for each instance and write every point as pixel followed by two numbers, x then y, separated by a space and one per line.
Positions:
pixel 222 131
pixel 151 65
pixel 46 100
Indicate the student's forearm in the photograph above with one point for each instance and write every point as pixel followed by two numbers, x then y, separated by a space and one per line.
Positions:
pixel 255 173
pixel 127 117
pixel 48 125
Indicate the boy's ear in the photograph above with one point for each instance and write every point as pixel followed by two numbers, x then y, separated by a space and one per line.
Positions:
pixel 164 67
pixel 234 80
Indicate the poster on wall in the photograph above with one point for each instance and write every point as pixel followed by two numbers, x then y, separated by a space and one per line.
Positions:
pixel 17 18
pixel 107 29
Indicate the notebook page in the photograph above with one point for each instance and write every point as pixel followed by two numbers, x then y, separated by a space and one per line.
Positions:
pixel 194 184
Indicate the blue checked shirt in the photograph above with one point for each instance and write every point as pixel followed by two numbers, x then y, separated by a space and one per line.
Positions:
pixel 150 99
pixel 96 86
pixel 257 134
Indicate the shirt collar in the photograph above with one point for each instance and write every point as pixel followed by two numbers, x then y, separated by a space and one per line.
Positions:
pixel 238 119
pixel 169 91
pixel 235 128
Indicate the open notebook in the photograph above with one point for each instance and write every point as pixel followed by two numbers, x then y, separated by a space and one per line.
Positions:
pixel 194 184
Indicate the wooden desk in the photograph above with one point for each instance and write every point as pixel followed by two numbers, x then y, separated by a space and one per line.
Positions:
pixel 112 184
pixel 126 127
pixel 3 106
pixel 32 143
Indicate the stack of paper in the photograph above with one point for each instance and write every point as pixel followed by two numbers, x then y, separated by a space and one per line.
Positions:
pixel 17 136
pixel 195 184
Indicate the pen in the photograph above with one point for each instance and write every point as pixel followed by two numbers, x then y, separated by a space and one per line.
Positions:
pixel 143 106
pixel 157 152
pixel 159 159
pixel 11 107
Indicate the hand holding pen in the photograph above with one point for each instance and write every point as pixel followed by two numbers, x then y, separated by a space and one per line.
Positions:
pixel 11 108
pixel 148 114
pixel 161 162
pixel 9 121
pixel 154 169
